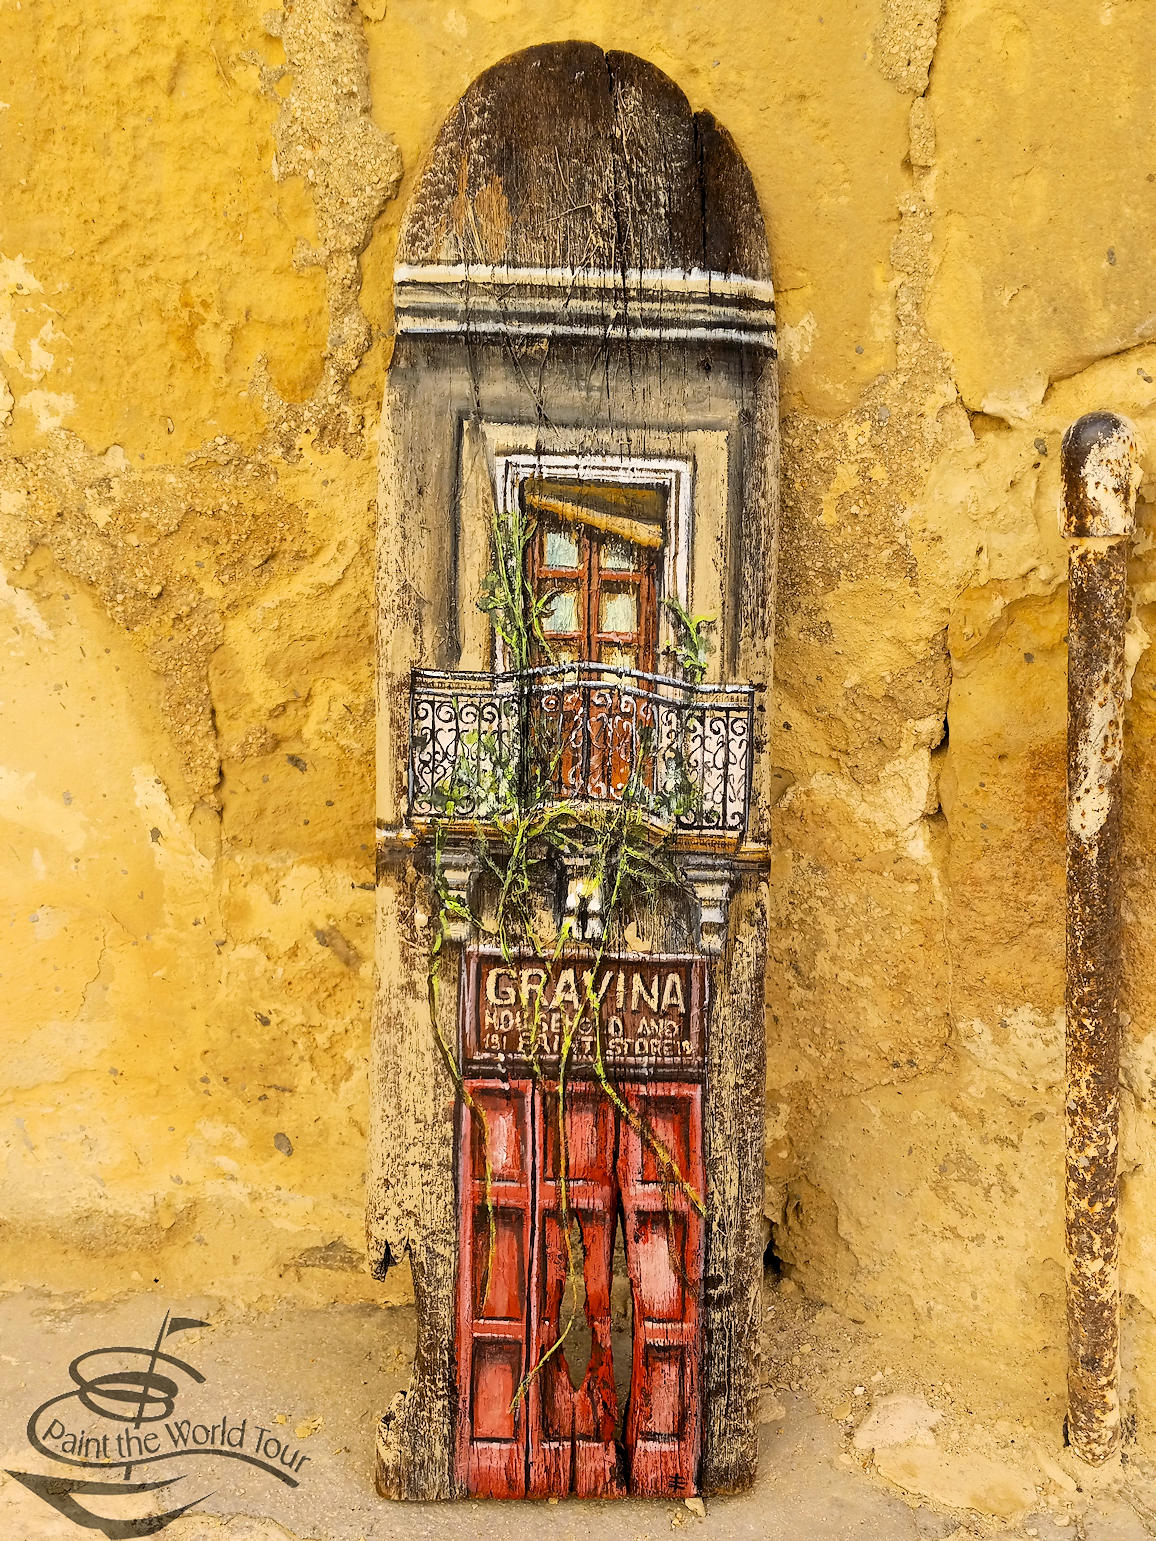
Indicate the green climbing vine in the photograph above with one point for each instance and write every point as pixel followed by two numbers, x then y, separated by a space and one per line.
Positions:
pixel 508 596
pixel 692 645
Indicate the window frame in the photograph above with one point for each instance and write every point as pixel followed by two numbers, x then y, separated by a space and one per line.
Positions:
pixel 675 476
pixel 590 576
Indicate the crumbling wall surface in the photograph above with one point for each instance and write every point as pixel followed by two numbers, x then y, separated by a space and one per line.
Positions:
pixel 187 491
pixel 200 211
pixel 915 1114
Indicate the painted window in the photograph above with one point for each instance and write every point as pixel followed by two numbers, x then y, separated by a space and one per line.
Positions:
pixel 596 550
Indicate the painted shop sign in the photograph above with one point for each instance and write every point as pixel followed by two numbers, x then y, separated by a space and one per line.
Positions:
pixel 642 1012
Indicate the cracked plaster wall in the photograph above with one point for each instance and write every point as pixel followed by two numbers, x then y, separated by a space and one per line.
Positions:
pixel 201 204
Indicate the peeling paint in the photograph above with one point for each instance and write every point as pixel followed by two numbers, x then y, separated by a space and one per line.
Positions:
pixel 1099 490
pixel 325 133
pixel 796 341
pixel 23 607
pixel 49 409
pixel 1099 754
pixel 1110 475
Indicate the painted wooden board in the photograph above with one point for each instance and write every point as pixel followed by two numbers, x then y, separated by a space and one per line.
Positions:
pixel 576 603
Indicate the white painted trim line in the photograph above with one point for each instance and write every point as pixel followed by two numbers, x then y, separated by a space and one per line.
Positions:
pixel 664 280
pixel 618 328
pixel 647 305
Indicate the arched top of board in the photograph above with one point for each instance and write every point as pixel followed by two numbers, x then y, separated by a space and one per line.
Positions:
pixel 569 184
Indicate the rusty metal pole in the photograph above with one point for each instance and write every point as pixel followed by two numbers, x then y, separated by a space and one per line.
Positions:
pixel 1100 475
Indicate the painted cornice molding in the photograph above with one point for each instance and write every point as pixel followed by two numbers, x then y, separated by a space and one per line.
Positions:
pixel 644 305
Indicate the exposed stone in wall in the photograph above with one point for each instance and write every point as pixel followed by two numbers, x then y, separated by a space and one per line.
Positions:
pixel 905 42
pixel 324 133
pixel 194 324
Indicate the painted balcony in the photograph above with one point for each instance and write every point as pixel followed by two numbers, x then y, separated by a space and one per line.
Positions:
pixel 483 746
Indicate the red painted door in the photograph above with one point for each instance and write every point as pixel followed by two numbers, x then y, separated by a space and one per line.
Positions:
pixel 572 1428
pixel 525 1428
pixel 660 1159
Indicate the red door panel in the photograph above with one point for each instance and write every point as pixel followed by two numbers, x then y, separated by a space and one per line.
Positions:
pixel 494 1252
pixel 572 1445
pixel 496 1371
pixel 663 1390
pixel 500 1277
pixel 660 1157
pixel 659 1247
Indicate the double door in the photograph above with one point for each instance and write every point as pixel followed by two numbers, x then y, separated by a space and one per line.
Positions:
pixel 539 1216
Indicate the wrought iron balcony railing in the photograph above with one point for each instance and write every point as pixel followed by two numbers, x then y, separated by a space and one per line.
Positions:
pixel 483 745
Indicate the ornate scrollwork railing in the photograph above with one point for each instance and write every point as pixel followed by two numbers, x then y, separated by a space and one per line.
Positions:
pixel 482 744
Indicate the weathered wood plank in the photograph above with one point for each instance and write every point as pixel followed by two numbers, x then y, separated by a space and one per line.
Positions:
pixel 554 300
pixel 732 1304
pixel 567 157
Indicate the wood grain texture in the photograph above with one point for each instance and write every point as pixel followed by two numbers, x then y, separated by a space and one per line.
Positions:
pixel 411 1194
pixel 572 160
pixel 734 1135
pixel 567 157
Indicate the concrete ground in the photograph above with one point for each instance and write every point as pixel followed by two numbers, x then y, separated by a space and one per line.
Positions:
pixel 314 1380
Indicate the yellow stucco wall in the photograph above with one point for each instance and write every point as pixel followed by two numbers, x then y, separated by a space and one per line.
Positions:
pixel 200 205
